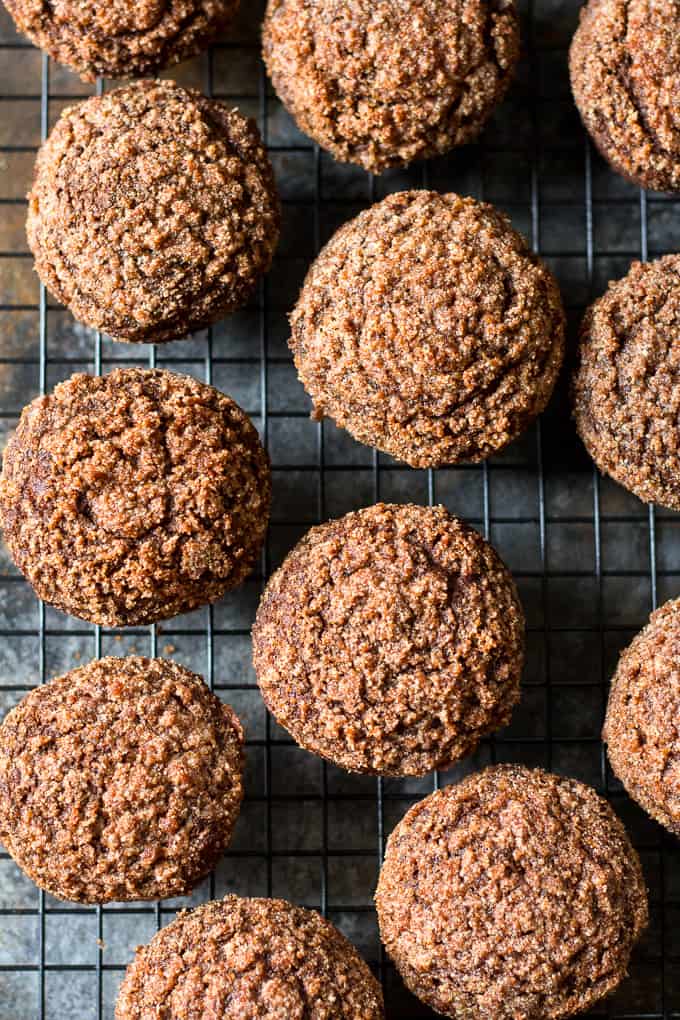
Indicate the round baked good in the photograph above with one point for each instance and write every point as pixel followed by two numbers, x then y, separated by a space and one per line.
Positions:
pixel 627 385
pixel 641 728
pixel 383 82
pixel 153 211
pixel 427 328
pixel 249 959
pixel 121 780
pixel 625 75
pixel 134 497
pixel 121 39
pixel 390 641
pixel 514 894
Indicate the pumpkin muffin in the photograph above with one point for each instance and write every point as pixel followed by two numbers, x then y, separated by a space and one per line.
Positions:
pixel 249 959
pixel 428 329
pixel 133 497
pixel 641 729
pixel 625 75
pixel 390 641
pixel 383 82
pixel 514 894
pixel 153 211
pixel 121 780
pixel 627 385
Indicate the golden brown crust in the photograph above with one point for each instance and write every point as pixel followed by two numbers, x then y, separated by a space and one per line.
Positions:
pixel 121 780
pixel 624 63
pixel 427 328
pixel 153 211
pixel 514 894
pixel 641 728
pixel 390 641
pixel 249 959
pixel 626 390
pixel 134 497
pixel 121 38
pixel 383 82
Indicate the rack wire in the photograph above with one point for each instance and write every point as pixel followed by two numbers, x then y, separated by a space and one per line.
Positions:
pixel 590 561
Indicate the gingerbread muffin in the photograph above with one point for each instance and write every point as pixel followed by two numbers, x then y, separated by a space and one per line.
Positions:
pixel 427 328
pixel 134 497
pixel 121 39
pixel 153 211
pixel 625 75
pixel 641 728
pixel 627 386
pixel 121 780
pixel 383 82
pixel 246 959
pixel 390 641
pixel 515 895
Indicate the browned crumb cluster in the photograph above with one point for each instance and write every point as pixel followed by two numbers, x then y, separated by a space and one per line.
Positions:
pixel 390 641
pixel 627 387
pixel 384 82
pixel 427 328
pixel 642 728
pixel 120 781
pixel 624 62
pixel 153 211
pixel 249 959
pixel 514 895
pixel 121 38
pixel 134 497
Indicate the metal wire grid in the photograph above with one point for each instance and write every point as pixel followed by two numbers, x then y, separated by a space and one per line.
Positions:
pixel 657 996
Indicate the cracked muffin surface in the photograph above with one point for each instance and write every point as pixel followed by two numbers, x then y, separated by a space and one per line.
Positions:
pixel 625 74
pixel 428 329
pixel 153 211
pixel 383 82
pixel 121 780
pixel 626 390
pixel 641 730
pixel 514 894
pixel 121 38
pixel 390 641
pixel 249 959
pixel 133 497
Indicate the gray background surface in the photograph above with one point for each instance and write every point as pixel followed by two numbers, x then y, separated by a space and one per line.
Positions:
pixel 590 560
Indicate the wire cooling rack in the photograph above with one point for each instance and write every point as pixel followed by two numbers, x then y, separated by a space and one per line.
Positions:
pixel 590 560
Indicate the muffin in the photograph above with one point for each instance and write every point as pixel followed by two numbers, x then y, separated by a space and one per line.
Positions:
pixel 249 959
pixel 123 39
pixel 383 82
pixel 390 641
pixel 153 211
pixel 626 388
pixel 641 728
pixel 428 329
pixel 121 780
pixel 134 497
pixel 515 895
pixel 624 62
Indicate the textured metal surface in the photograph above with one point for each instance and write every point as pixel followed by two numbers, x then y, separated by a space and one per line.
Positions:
pixel 590 560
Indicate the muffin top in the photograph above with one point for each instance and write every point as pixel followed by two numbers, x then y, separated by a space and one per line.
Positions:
pixel 249 959
pixel 390 641
pixel 153 211
pixel 121 39
pixel 133 497
pixel 625 74
pixel 627 387
pixel 514 894
pixel 427 328
pixel 119 781
pixel 383 82
pixel 641 728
